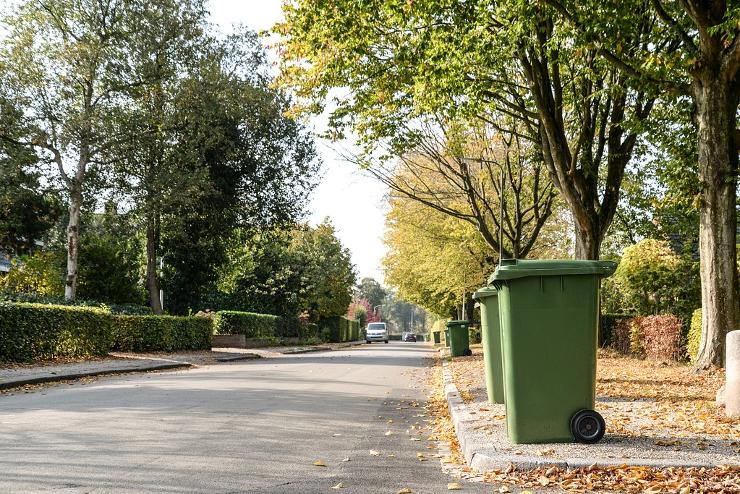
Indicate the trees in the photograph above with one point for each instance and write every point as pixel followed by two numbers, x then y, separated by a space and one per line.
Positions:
pixel 457 169
pixel 63 62
pixel 27 211
pixel 702 62
pixel 371 291
pixel 402 60
pixel 288 272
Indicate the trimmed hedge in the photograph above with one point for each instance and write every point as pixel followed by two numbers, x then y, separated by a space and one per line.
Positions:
pixel 249 324
pixel 338 329
pixel 30 332
pixel 161 333
pixel 657 337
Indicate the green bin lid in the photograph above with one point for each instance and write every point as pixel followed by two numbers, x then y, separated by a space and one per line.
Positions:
pixel 450 324
pixel 486 291
pixel 510 269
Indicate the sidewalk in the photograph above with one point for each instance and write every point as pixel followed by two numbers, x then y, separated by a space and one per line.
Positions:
pixel 652 421
pixel 16 375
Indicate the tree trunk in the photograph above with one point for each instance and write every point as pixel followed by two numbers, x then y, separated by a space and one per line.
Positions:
pixel 716 107
pixel 588 243
pixel 73 241
pixel 152 244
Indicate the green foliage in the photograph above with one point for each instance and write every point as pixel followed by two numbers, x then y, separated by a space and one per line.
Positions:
pixel 249 324
pixel 161 333
pixel 30 332
pixel 27 210
pixel 288 272
pixel 693 339
pixel 109 271
pixel 338 329
pixel 652 279
pixel 38 274
pixel 371 290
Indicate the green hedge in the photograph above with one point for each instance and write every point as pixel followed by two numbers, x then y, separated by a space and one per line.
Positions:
pixel 249 324
pixel 161 333
pixel 30 332
pixel 339 329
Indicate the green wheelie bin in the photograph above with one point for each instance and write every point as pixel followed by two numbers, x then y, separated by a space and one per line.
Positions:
pixel 491 339
pixel 447 337
pixel 549 313
pixel 437 339
pixel 459 338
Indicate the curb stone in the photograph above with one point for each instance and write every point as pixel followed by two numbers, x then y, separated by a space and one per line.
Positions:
pixel 483 456
pixel 78 375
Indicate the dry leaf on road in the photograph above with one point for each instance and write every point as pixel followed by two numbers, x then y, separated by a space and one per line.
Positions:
pixel 338 486
pixel 319 463
pixel 453 486
pixel 405 490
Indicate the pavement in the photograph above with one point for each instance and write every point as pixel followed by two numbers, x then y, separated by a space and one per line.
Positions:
pixel 253 426
pixel 122 363
pixel 486 446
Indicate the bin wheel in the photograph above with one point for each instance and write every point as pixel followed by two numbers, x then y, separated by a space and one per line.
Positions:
pixel 587 426
pixel 368 341
pixel 386 341
pixel 468 352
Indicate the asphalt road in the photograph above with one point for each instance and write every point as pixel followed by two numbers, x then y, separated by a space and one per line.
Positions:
pixel 254 426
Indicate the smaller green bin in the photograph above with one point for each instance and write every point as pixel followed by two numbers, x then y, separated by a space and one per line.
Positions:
pixel 491 339
pixel 437 337
pixel 447 337
pixel 459 338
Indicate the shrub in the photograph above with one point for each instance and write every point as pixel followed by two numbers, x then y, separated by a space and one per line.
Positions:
pixel 637 337
pixel 249 324
pixel 661 336
pixel 693 340
pixel 39 274
pixel 620 335
pixel 161 333
pixel 30 332
pixel 338 329
pixel 607 327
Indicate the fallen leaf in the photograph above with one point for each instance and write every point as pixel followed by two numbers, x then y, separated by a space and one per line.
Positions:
pixel 405 490
pixel 388 433
pixel 319 463
pixel 374 453
pixel 504 489
pixel 453 486
pixel 344 460
pixel 338 486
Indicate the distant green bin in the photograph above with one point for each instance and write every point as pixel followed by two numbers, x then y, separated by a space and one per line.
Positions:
pixel 437 337
pixel 459 338
pixel 549 324
pixel 491 339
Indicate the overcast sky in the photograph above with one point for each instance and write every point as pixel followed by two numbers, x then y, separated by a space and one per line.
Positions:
pixel 354 202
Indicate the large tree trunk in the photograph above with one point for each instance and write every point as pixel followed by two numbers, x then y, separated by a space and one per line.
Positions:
pixel 588 242
pixel 152 244
pixel 73 241
pixel 716 106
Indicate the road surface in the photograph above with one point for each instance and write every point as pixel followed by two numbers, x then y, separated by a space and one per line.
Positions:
pixel 245 427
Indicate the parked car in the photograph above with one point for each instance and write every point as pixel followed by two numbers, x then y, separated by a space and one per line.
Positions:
pixel 376 331
pixel 409 337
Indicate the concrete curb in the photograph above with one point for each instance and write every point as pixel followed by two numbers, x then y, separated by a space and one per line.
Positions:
pixel 78 375
pixel 244 356
pixel 322 348
pixel 483 456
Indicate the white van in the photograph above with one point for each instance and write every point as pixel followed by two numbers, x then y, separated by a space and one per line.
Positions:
pixel 376 331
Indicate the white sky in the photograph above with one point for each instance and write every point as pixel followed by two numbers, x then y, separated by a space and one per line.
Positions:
pixel 353 201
